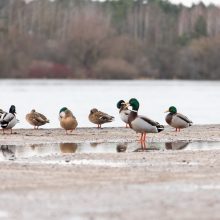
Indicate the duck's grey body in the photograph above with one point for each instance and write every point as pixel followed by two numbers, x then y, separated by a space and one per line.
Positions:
pixel 178 120
pixel 8 120
pixel 142 124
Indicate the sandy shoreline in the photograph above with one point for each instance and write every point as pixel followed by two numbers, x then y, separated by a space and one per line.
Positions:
pixel 117 134
pixel 106 186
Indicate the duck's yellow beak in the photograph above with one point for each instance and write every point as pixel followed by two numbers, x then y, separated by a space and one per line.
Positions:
pixel 166 111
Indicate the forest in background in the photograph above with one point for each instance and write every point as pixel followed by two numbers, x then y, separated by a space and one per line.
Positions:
pixel 122 39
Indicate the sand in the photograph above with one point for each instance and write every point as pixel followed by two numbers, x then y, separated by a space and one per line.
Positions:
pixel 143 185
pixel 31 136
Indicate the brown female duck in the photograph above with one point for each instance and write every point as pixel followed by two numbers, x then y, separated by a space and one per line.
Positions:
pixel 36 119
pixel 99 118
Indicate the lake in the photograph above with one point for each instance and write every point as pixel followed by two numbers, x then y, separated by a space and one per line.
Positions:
pixel 199 100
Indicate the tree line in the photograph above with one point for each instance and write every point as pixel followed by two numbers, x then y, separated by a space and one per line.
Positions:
pixel 122 39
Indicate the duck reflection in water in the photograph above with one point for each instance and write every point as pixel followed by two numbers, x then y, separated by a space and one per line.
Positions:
pixel 121 147
pixel 178 145
pixel 8 151
pixel 146 147
pixel 68 148
pixel 94 144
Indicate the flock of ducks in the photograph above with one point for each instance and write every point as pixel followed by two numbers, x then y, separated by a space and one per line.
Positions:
pixel 130 117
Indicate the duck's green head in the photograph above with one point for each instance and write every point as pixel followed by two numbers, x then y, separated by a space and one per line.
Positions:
pixel 134 104
pixel 62 112
pixel 63 109
pixel 120 104
pixel 172 109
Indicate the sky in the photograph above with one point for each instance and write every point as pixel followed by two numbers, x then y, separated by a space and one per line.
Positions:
pixel 185 2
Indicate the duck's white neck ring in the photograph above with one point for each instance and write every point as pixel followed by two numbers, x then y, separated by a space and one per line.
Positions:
pixel 134 110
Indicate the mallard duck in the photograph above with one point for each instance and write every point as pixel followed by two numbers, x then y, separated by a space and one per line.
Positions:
pixel 36 119
pixel 123 111
pixel 1 112
pixel 177 120
pixel 67 120
pixel 9 120
pixel 141 124
pixel 99 118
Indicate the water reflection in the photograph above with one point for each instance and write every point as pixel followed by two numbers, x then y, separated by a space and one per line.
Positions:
pixel 8 151
pixel 94 144
pixel 177 145
pixel 144 147
pixel 121 147
pixel 12 152
pixel 68 147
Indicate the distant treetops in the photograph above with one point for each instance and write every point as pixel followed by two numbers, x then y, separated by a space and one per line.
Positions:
pixel 140 124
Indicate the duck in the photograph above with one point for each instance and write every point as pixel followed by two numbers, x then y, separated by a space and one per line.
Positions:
pixel 9 120
pixel 36 119
pixel 177 120
pixel 1 112
pixel 67 120
pixel 99 118
pixel 141 124
pixel 123 112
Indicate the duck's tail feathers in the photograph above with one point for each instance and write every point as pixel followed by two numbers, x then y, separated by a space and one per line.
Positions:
pixel 160 128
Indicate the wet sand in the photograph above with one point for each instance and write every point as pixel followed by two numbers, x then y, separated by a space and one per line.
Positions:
pixel 31 136
pixel 143 185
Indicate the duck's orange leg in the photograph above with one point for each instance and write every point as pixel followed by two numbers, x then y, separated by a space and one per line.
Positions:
pixel 141 137
pixel 145 135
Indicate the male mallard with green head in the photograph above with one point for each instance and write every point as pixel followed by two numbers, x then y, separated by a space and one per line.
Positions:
pixel 123 111
pixel 142 124
pixel 67 120
pixel 99 118
pixel 9 120
pixel 177 120
pixel 36 119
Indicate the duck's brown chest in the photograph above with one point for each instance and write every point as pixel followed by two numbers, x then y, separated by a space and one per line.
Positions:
pixel 169 118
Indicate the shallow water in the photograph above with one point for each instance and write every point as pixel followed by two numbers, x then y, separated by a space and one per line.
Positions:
pixel 199 100
pixel 13 152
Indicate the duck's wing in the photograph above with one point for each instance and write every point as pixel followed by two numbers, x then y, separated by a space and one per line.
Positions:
pixel 184 118
pixel 6 118
pixel 149 121
pixel 41 118
pixel 153 123
pixel 104 116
